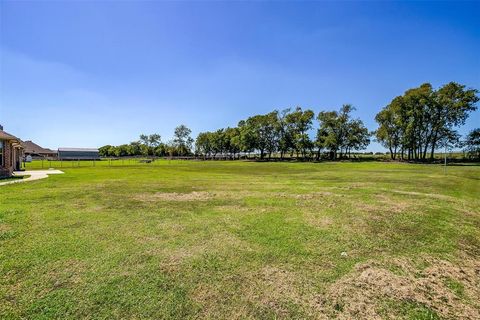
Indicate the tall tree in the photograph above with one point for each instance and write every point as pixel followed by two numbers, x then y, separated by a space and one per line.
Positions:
pixel 389 133
pixel 134 148
pixel 284 133
pixel 472 144
pixel 320 142
pixel 330 131
pixel 358 136
pixel 341 134
pixel 299 122
pixel 260 133
pixel 182 140
pixel 154 140
pixel 233 142
pixel 247 136
pixel 453 104
pixel 203 144
pixel 218 141
pixel 104 151
pixel 423 119
pixel 148 143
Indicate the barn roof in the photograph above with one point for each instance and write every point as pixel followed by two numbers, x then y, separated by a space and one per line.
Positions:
pixel 79 149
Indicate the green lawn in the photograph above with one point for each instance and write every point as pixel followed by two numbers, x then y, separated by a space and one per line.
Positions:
pixel 229 240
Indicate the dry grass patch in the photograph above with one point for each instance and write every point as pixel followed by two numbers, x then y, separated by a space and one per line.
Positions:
pixel 275 288
pixel 67 273
pixel 360 294
pixel 310 196
pixel 393 205
pixel 4 228
pixel 232 208
pixel 174 196
pixel 215 302
pixel 384 204
pixel 318 221
pixel 222 243
pixel 428 195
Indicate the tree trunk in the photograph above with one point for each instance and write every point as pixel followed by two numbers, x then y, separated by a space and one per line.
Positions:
pixel 434 142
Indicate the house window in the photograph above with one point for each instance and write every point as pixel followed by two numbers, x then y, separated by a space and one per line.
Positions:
pixel 1 153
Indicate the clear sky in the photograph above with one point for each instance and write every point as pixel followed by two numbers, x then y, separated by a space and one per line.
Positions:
pixel 89 73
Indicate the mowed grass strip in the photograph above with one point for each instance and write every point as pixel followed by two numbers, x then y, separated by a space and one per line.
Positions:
pixel 219 239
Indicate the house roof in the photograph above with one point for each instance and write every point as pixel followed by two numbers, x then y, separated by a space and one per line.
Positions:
pixel 79 149
pixel 7 136
pixel 31 147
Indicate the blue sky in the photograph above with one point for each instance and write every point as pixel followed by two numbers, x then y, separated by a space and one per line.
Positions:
pixel 90 73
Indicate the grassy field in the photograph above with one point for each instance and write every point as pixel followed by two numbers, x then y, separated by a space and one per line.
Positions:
pixel 235 240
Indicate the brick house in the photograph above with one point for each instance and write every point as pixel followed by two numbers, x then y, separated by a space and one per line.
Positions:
pixel 36 152
pixel 11 153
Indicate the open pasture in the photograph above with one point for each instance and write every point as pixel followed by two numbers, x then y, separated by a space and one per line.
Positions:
pixel 220 239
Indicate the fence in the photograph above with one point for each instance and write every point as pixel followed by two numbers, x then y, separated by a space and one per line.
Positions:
pixel 104 162
pixel 153 161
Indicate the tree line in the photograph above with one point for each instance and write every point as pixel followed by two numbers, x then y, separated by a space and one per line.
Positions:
pixel 412 126
pixel 287 132
pixel 152 145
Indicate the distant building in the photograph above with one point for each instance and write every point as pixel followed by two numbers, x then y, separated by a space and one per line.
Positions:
pixel 36 152
pixel 11 153
pixel 78 154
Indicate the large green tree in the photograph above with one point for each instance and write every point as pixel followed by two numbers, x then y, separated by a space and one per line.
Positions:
pixel 423 119
pixel 182 140
pixel 389 131
pixel 299 122
pixel 260 133
pixel 340 134
pixel 472 144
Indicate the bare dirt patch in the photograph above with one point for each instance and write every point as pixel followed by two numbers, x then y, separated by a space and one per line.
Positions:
pixel 232 208
pixel 174 196
pixel 321 222
pixel 222 243
pixel 365 292
pixel 359 295
pixel 383 203
pixel 316 195
pixel 274 288
pixel 4 228
pixel 428 195
pixel 395 205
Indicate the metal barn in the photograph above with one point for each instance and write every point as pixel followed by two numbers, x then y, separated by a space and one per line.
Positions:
pixel 78 154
